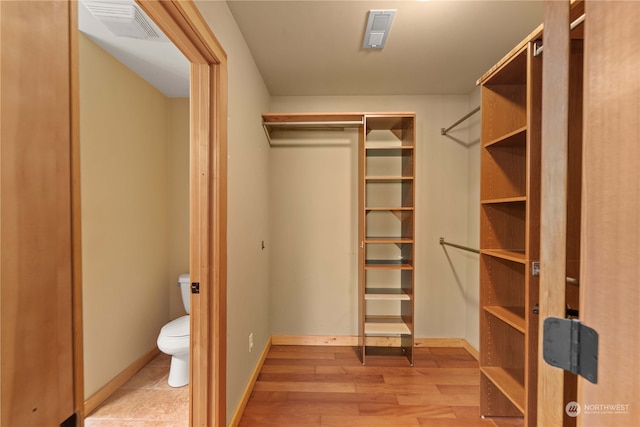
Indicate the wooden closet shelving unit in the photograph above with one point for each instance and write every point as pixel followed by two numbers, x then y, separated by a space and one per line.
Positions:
pixel 510 224
pixel 509 235
pixel 386 217
pixel 387 195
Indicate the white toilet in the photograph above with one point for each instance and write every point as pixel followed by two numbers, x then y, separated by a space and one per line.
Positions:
pixel 174 339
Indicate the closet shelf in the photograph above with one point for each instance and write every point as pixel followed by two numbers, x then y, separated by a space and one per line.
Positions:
pixel 384 148
pixel 384 208
pixel 387 265
pixel 385 326
pixel 388 208
pixel 394 294
pixel 509 381
pixel 516 137
pixel 273 122
pixel 512 316
pixel 388 178
pixel 510 255
pixel 517 199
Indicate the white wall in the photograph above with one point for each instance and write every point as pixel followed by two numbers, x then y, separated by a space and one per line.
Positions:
pixel 177 198
pixel 302 302
pixel 248 180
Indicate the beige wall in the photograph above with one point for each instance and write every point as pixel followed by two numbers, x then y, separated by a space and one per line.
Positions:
pixel 248 199
pixel 177 198
pixel 311 196
pixel 313 211
pixel 126 190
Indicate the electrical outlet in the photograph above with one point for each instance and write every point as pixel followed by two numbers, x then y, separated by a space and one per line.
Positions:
pixel 250 342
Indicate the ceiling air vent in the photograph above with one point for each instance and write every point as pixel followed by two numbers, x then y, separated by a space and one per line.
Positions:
pixel 378 28
pixel 124 20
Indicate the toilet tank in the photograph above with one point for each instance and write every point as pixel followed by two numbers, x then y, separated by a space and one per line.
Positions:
pixel 185 290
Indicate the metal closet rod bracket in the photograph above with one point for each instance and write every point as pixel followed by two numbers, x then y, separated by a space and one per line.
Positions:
pixel 538 48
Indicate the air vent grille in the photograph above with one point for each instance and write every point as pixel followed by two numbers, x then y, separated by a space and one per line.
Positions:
pixel 124 20
pixel 378 27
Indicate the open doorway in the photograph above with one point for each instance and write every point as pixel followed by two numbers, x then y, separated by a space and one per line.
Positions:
pixel 207 207
pixel 134 179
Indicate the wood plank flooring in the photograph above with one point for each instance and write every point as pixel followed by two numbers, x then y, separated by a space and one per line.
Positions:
pixel 307 386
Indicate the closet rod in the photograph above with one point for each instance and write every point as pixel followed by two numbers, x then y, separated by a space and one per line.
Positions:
pixel 444 131
pixel 464 248
pixel 537 50
pixel 319 124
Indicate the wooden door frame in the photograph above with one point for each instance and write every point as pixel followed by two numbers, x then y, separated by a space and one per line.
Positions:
pixel 183 24
pixel 553 213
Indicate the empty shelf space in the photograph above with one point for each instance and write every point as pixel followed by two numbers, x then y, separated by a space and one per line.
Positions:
pixel 385 326
pixel 394 122
pixel 510 255
pixel 513 316
pixel 509 381
pixel 394 294
pixel 516 137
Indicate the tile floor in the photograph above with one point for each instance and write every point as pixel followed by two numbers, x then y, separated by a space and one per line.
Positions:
pixel 146 400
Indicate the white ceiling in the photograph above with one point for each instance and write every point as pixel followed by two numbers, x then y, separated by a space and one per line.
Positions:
pixel 158 62
pixel 434 47
pixel 313 47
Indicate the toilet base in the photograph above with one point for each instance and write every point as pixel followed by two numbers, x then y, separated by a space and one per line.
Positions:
pixel 179 370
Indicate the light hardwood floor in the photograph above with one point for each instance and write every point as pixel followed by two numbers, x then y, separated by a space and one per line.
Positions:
pixel 306 386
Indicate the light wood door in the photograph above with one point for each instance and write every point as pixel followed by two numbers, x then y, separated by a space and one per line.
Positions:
pixel 37 371
pixel 610 223
pixel 610 256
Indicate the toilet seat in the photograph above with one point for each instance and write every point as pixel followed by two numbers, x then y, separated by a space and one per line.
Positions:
pixel 176 328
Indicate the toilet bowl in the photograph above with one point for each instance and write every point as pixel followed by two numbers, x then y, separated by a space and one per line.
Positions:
pixel 174 339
